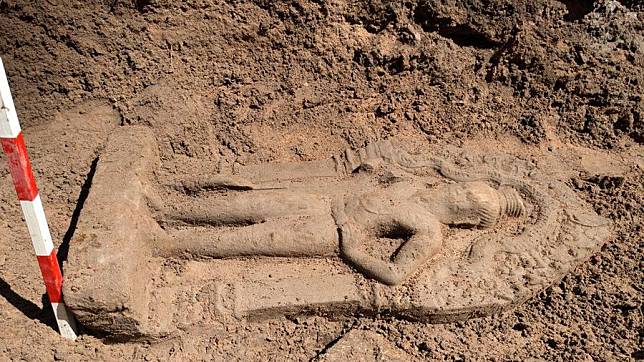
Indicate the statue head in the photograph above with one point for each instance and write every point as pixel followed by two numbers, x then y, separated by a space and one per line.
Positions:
pixel 472 203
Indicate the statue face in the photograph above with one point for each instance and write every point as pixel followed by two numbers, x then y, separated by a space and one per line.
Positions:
pixel 461 203
pixel 464 204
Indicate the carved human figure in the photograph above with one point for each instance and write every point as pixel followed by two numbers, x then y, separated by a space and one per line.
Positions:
pixel 305 220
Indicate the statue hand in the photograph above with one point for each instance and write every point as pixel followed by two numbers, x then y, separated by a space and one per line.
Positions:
pixel 370 266
pixel 350 237
pixel 423 242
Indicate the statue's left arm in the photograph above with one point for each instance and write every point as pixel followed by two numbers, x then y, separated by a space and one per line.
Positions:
pixel 424 242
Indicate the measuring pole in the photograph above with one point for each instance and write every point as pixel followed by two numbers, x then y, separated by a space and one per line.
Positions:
pixel 13 145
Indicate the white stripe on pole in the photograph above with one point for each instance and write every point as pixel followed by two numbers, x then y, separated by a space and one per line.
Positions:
pixel 9 125
pixel 37 225
pixel 66 323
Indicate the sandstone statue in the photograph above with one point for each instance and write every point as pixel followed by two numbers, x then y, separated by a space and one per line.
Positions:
pixel 435 236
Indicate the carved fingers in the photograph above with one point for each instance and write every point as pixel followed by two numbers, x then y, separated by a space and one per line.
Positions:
pixel 369 265
pixel 351 237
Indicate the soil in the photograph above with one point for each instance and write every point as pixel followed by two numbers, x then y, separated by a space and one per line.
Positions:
pixel 257 81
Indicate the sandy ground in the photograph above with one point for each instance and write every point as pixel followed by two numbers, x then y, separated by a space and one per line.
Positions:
pixel 257 81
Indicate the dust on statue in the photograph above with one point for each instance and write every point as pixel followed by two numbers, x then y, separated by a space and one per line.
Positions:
pixel 376 230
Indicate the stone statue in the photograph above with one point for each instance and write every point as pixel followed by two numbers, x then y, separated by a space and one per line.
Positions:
pixel 432 238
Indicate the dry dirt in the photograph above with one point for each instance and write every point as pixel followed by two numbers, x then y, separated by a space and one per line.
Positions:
pixel 257 81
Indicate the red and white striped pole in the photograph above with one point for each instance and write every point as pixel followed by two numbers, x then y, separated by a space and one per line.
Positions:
pixel 13 145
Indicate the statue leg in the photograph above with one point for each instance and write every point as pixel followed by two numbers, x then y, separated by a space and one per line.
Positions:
pixel 250 223
pixel 285 237
pixel 241 208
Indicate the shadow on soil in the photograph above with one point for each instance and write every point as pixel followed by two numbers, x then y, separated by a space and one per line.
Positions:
pixel 27 307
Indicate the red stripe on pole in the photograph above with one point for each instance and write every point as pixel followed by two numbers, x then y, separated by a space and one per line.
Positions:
pixel 20 167
pixel 52 276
